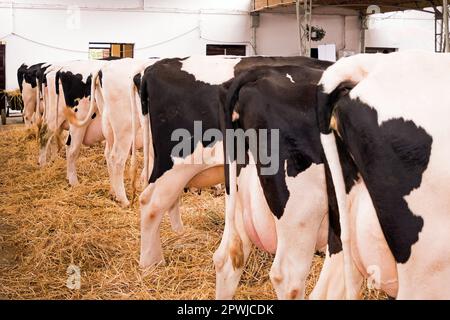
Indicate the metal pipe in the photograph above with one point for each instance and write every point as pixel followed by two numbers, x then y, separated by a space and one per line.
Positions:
pixel 309 25
pixel 297 11
pixel 445 22
pixel 363 33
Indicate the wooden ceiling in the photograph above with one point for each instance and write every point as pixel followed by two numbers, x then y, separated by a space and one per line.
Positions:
pixel 359 6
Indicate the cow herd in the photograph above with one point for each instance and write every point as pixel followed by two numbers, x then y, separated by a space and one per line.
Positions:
pixel 349 159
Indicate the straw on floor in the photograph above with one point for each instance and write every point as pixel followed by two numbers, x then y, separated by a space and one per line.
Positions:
pixel 47 226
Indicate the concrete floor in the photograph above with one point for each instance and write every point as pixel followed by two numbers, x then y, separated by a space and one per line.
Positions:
pixel 14 118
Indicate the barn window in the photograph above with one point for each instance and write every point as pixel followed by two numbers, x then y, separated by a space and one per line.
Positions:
pixel 380 50
pixel 221 49
pixel 102 50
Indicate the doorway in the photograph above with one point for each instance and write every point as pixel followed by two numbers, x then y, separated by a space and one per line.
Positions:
pixel 2 83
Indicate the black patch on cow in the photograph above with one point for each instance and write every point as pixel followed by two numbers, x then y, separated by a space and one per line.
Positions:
pixel 20 75
pixel 254 62
pixel 57 83
pixel 349 168
pixel 111 58
pixel 137 81
pixel 75 109
pixel 74 87
pixel 326 103
pixel 69 140
pixel 391 158
pixel 30 74
pixel 41 78
pixel 269 100
pixel 175 99
pixel 93 115
pixel 334 226
pixel 100 78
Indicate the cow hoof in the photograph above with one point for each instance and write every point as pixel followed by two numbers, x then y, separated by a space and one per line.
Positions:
pixel 152 264
pixel 111 193
pixel 179 230
pixel 124 203
pixel 73 182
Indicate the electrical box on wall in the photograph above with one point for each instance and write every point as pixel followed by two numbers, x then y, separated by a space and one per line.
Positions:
pixel 255 20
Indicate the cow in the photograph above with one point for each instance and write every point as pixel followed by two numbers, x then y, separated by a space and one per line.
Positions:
pixel 270 113
pixel 116 92
pixel 73 85
pixel 182 97
pixel 385 134
pixel 27 80
pixel 54 120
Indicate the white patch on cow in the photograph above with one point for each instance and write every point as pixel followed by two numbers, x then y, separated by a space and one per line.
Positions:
pixel 29 102
pixel 330 285
pixel 203 155
pixel 117 118
pixel 84 67
pixel 352 69
pixel 213 70
pixel 290 77
pixel 370 251
pixel 298 230
pixel 258 219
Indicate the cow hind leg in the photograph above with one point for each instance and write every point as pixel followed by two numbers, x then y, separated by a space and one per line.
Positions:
pixel 331 282
pixel 231 256
pixel 156 199
pixel 296 242
pixel 118 157
pixel 175 218
pixel 109 141
pixel 72 152
pixel 151 217
pixel 107 154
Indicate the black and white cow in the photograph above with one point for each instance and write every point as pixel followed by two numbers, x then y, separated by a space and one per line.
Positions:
pixel 116 96
pixel 54 118
pixel 75 82
pixel 390 117
pixel 271 115
pixel 53 121
pixel 182 97
pixel 27 80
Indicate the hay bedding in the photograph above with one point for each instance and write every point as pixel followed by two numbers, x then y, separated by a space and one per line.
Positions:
pixel 45 226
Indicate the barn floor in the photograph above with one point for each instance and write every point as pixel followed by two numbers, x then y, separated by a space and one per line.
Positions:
pixel 46 226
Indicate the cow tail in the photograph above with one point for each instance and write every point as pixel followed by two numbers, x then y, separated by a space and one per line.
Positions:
pixel 37 110
pixel 233 89
pixel 70 114
pixel 326 121
pixel 141 82
pixel 231 99
pixel 133 166
pixel 57 83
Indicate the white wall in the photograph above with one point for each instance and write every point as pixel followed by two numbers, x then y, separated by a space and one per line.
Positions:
pixel 150 23
pixel 278 33
pixel 145 23
pixel 402 30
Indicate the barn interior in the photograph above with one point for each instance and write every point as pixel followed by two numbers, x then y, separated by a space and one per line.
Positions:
pixel 49 229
